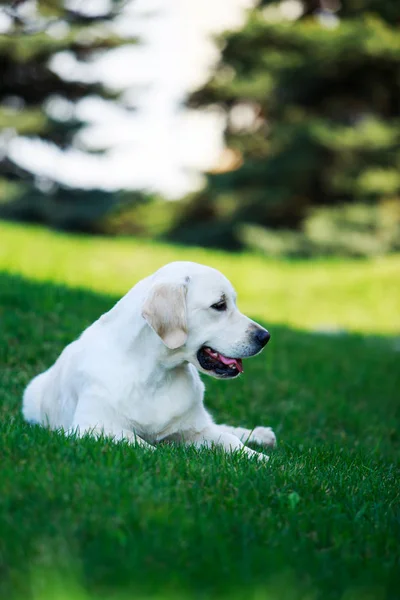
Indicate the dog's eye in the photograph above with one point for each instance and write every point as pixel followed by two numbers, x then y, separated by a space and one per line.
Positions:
pixel 220 306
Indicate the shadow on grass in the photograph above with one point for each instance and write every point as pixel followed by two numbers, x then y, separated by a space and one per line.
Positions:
pixel 180 523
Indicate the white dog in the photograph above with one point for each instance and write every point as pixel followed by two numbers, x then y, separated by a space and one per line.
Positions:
pixel 133 374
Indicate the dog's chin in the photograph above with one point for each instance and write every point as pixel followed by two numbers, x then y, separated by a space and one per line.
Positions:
pixel 218 365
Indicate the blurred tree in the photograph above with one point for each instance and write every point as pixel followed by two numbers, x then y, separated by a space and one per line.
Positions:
pixel 36 102
pixel 311 94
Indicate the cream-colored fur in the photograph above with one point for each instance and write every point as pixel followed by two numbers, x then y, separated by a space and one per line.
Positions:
pixel 133 374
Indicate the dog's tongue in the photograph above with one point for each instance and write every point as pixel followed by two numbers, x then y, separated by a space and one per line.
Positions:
pixel 231 361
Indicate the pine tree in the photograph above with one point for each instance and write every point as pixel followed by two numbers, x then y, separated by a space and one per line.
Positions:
pixel 28 84
pixel 312 105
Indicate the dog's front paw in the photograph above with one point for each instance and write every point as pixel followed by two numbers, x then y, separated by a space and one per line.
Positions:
pixel 253 454
pixel 264 436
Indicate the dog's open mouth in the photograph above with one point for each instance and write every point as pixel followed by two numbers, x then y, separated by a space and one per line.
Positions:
pixel 224 366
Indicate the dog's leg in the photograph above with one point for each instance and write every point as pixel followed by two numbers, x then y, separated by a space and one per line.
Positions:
pixel 214 435
pixel 95 417
pixel 264 436
pixel 116 434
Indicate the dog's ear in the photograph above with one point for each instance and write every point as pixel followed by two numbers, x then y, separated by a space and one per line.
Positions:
pixel 165 312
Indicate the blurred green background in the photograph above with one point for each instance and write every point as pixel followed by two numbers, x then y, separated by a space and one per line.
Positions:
pixel 135 133
pixel 309 95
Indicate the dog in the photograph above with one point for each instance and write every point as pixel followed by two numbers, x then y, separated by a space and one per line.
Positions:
pixel 134 374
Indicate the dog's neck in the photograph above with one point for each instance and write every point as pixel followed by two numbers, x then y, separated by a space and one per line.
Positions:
pixel 140 346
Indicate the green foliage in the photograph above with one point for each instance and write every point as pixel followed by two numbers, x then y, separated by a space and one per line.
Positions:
pixel 355 229
pixel 277 243
pixel 349 230
pixel 29 83
pixel 141 215
pixel 88 519
pixel 61 207
pixel 312 118
pixel 28 122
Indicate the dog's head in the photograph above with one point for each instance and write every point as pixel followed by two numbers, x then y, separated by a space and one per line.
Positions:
pixel 192 308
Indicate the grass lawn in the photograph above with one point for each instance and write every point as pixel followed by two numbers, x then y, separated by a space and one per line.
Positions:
pixel 86 519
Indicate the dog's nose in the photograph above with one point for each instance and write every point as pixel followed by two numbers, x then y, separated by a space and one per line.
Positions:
pixel 262 336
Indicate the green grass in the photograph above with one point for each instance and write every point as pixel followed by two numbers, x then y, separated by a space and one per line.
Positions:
pixel 356 295
pixel 85 519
